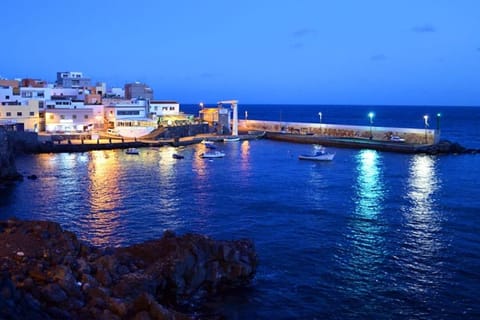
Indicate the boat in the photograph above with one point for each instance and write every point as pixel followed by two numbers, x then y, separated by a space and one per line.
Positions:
pixel 320 154
pixel 206 142
pixel 132 151
pixel 177 156
pixel 232 139
pixel 396 139
pixel 210 146
pixel 213 154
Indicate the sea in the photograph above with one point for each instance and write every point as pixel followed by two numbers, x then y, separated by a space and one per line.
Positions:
pixel 369 235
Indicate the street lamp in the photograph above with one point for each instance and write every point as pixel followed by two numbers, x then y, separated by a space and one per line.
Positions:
pixel 425 118
pixel 371 115
pixel 201 105
pixel 320 115
pixel 438 121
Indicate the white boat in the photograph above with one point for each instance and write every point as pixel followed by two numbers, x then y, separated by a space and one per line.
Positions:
pixel 213 154
pixel 320 154
pixel 232 139
pixel 132 151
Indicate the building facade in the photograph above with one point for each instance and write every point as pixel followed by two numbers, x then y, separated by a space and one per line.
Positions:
pixel 138 90
pixel 69 79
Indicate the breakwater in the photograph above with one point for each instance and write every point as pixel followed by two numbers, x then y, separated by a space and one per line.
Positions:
pixel 410 135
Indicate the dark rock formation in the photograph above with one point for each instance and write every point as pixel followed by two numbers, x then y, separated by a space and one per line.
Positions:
pixel 46 273
pixel 8 171
pixel 447 147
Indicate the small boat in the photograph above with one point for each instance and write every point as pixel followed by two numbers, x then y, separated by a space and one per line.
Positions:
pixel 213 154
pixel 132 151
pixel 177 156
pixel 320 154
pixel 232 139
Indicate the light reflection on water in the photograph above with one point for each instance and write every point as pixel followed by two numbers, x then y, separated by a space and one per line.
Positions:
pixel 103 222
pixel 422 240
pixel 361 261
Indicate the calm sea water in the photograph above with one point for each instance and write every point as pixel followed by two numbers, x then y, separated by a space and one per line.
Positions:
pixel 371 235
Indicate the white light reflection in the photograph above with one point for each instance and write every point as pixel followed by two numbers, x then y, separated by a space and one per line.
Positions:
pixel 423 241
pixel 364 256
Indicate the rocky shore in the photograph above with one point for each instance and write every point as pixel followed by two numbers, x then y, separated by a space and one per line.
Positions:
pixel 47 273
pixel 8 171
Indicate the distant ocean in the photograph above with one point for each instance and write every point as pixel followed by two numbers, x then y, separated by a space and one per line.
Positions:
pixel 371 235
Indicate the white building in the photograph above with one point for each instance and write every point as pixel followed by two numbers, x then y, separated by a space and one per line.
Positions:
pixel 129 119
pixel 164 108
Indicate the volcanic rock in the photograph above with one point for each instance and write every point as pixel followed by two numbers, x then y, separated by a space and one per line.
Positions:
pixel 47 273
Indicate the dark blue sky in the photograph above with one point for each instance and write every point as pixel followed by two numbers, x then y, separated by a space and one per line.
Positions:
pixel 413 52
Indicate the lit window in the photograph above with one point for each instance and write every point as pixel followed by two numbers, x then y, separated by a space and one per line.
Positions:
pixel 51 117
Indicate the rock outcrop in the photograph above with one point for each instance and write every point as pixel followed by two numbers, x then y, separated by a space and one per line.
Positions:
pixel 447 147
pixel 47 273
pixel 8 171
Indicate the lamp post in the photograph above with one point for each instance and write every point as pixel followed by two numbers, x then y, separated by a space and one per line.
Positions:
pixel 320 115
pixel 425 118
pixel 438 120
pixel 371 115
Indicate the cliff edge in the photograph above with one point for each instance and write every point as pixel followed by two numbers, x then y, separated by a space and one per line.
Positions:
pixel 47 273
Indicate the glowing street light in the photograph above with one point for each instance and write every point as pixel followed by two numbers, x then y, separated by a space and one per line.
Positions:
pixel 371 115
pixel 201 105
pixel 438 120
pixel 425 118
pixel 320 115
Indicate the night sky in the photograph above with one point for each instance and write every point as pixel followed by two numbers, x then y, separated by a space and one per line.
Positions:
pixel 401 52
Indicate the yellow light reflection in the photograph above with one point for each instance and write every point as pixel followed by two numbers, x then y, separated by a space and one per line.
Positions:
pixel 102 189
pixel 245 156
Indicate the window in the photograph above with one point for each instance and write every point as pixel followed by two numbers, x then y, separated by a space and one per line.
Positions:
pixel 172 108
pixel 32 113
pixel 74 116
pixel 86 116
pixel 19 114
pixel 51 117
pixel 7 97
pixel 62 116
pixel 9 114
pixel 128 113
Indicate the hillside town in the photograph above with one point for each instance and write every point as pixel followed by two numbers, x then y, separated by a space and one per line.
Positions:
pixel 72 104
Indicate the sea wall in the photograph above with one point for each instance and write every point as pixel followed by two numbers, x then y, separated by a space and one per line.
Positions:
pixel 8 170
pixel 47 273
pixel 411 135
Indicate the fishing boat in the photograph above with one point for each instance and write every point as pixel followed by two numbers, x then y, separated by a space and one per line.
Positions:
pixel 206 142
pixel 213 154
pixel 132 151
pixel 319 154
pixel 232 139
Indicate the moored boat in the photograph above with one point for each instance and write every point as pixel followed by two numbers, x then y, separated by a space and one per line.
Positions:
pixel 232 139
pixel 320 154
pixel 132 151
pixel 213 154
